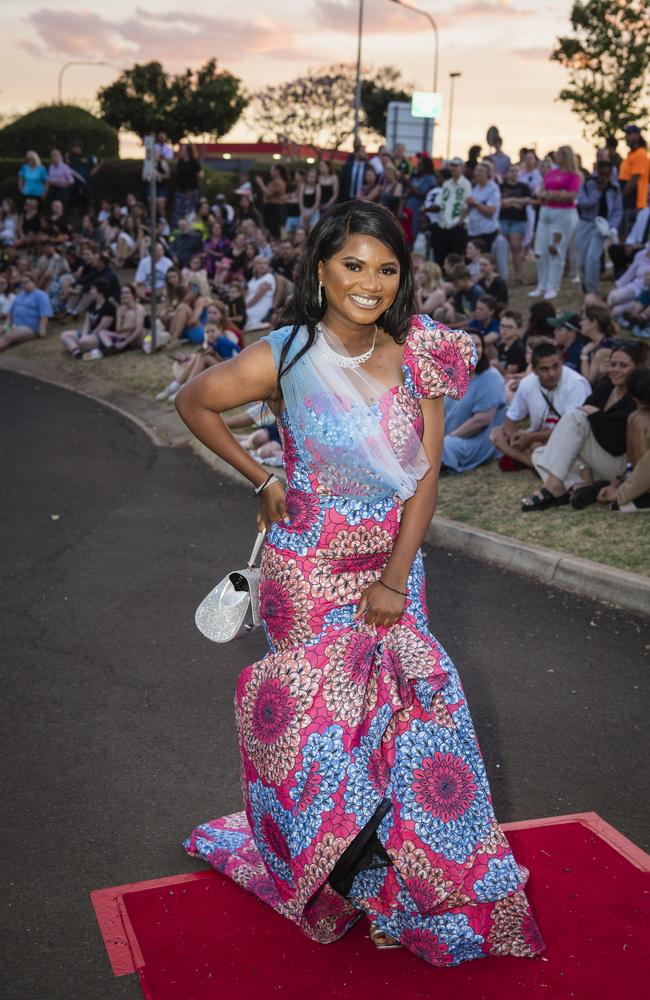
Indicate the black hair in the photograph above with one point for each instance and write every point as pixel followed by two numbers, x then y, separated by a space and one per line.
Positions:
pixel 635 350
pixel 483 362
pixel 544 350
pixel 102 286
pixel 638 384
pixel 538 318
pixel 327 238
pixel 491 303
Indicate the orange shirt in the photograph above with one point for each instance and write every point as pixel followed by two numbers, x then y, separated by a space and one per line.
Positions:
pixel 637 162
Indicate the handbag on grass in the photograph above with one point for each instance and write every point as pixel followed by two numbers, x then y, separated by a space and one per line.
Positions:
pixel 232 608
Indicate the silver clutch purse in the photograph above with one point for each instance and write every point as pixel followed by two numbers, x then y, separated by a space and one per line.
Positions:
pixel 232 608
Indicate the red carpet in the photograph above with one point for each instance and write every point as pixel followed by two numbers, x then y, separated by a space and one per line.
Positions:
pixel 200 937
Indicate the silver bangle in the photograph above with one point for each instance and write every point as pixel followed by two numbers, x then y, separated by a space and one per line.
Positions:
pixel 269 481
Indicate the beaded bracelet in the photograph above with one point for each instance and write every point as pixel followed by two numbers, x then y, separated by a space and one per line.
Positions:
pixel 267 482
pixel 403 593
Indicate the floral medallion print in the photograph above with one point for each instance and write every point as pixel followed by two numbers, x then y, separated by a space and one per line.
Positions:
pixel 342 718
pixel 274 709
pixel 284 599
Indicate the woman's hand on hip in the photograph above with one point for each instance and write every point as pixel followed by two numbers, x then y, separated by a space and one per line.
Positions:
pixel 273 506
pixel 380 606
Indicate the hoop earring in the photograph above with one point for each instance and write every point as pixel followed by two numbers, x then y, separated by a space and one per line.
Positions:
pixel 320 294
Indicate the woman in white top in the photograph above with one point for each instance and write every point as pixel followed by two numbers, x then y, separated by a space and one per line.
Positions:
pixel 8 223
pixel 259 293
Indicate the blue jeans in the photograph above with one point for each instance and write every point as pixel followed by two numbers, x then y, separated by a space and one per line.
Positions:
pixel 590 249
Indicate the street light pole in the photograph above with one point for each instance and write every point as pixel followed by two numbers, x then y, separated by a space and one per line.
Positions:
pixel 78 62
pixel 452 77
pixel 430 19
pixel 357 87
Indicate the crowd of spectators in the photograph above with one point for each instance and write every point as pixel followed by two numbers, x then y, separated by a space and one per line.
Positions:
pixel 566 395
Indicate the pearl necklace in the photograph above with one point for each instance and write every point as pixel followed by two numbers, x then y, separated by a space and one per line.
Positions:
pixel 344 360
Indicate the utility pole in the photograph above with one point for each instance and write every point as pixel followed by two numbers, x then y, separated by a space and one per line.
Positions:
pixel 452 77
pixel 357 89
pixel 150 175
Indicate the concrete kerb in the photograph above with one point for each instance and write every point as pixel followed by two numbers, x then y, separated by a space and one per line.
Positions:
pixel 619 588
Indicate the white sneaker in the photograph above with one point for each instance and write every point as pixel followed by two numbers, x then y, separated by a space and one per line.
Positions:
pixel 576 279
pixel 94 355
pixel 536 293
pixel 147 345
pixel 550 294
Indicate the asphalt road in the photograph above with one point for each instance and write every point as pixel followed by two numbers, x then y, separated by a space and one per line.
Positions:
pixel 118 733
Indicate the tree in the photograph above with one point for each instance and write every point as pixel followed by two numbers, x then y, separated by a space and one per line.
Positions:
pixel 57 126
pixel 376 93
pixel 145 99
pixel 318 109
pixel 607 57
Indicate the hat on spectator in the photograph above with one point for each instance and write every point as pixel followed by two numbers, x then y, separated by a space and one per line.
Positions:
pixel 456 162
pixel 246 188
pixel 568 319
pixel 633 128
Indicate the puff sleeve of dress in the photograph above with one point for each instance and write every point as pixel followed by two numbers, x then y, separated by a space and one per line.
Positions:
pixel 437 361
pixel 276 340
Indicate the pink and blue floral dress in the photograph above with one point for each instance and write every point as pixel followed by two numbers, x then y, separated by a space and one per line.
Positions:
pixel 343 722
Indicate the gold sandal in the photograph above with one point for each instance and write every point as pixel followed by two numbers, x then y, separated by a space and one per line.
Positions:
pixel 381 939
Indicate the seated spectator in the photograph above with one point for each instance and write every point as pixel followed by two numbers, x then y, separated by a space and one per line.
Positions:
pixel 30 311
pixel 215 248
pixel 30 225
pixel 125 246
pixel 627 288
pixel 128 331
pixel 631 494
pixel 189 317
pixel 237 254
pixel 49 268
pixel 430 288
pixel 451 261
pixel 260 291
pixel 143 273
pixel 7 299
pixel 622 254
pixel 284 260
pixel 638 316
pixel 371 187
pixel 538 321
pixel 490 280
pixel 486 321
pixel 194 276
pixel 219 344
pixel 235 304
pixel 55 226
pixel 587 448
pixel 101 315
pixel 465 295
pixel 473 252
pixel 567 327
pixel 511 353
pixel 469 421
pixel 542 398
pixel 202 220
pixel 184 243
pixel 60 178
pixel 600 334
pixel 9 223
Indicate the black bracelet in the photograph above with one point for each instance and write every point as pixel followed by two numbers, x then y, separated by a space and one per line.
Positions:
pixel 259 489
pixel 403 593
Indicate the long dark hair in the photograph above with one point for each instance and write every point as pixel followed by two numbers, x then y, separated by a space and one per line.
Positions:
pixel 327 238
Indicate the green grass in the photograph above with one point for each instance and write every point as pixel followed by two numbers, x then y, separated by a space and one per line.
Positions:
pixel 485 498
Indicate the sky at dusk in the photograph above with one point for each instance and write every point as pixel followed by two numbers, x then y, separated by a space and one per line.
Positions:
pixel 501 47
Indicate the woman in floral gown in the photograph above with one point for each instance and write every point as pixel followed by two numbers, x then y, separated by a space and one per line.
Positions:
pixel 364 786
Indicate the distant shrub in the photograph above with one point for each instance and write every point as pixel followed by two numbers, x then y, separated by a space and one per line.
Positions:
pixel 57 126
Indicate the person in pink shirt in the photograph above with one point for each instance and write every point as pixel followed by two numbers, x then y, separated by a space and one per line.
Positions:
pixel 557 220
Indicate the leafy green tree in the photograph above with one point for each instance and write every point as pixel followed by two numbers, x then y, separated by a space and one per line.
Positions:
pixel 318 109
pixel 145 99
pixel 376 93
pixel 607 56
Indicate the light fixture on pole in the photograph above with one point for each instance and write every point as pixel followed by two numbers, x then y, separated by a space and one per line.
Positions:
pixel 430 19
pixel 452 77
pixel 357 86
pixel 79 62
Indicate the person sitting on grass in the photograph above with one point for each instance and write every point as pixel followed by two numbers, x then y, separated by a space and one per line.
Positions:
pixel 631 494
pixel 430 288
pixel 511 353
pixel 29 314
pixel 567 329
pixel 143 273
pixel 7 299
pixel 128 331
pixel 490 280
pixel 462 303
pixel 601 333
pixel 219 345
pixel 637 316
pixel 486 321
pixel 469 421
pixel 587 448
pixel 101 315
pixel 542 398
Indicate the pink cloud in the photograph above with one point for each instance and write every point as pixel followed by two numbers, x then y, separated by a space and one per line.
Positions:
pixel 534 53
pixel 392 18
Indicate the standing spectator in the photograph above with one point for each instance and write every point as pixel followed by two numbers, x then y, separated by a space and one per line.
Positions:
pixel 611 144
pixel 500 160
pixel 329 185
pixel 516 197
pixel 568 334
pixel 451 234
pixel 490 280
pixel 29 314
pixel 162 265
pixel 188 176
pixel 7 299
pixel 162 174
pixel 309 199
pixel 470 421
pixel 30 224
pixel 32 178
pixel 8 223
pixel 274 197
pixel 84 166
pixel 371 188
pixel 162 147
pixel 634 172
pixel 391 185
pixel 415 190
pixel 185 242
pixel 600 210
pixel 482 206
pixel 284 261
pixel 61 180
pixel 557 220
pixel 473 156
pixel 259 293
pixel 542 398
pixel 351 179
pixel 530 174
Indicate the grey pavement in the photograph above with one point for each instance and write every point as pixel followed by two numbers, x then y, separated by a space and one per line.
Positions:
pixel 118 732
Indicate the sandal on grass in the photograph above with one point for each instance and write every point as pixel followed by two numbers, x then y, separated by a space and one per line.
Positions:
pixel 542 500
pixel 585 496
